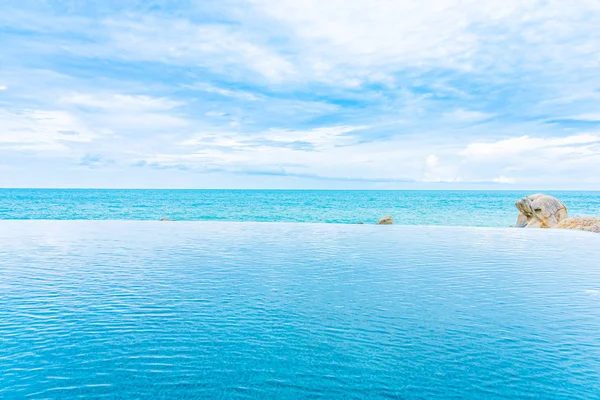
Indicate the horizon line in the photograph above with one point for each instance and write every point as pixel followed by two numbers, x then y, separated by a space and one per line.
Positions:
pixel 304 189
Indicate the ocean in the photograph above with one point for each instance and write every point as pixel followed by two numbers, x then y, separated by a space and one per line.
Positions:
pixel 211 310
pixel 451 208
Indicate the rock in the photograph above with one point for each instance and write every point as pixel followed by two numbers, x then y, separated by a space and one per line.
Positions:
pixel 165 219
pixel 540 211
pixel 589 224
pixel 361 223
pixel 387 220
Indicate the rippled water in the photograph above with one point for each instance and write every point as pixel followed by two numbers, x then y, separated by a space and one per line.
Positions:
pixel 134 310
pixel 455 208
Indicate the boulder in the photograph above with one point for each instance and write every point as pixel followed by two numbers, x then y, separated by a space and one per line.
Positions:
pixel 590 224
pixel 387 220
pixel 165 219
pixel 540 211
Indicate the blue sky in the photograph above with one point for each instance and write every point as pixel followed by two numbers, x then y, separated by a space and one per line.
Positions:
pixel 356 94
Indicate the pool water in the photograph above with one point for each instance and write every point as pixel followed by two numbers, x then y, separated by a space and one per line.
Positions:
pixel 199 310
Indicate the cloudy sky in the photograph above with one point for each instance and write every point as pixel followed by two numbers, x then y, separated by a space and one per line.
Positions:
pixel 434 94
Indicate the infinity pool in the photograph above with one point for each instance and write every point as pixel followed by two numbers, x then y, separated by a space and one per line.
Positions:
pixel 129 310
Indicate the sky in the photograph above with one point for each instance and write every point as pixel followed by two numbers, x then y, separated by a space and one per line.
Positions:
pixel 353 94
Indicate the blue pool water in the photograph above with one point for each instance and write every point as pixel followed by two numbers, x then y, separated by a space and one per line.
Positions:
pixel 455 208
pixel 197 310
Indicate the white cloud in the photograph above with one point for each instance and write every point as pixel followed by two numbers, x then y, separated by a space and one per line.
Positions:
pixel 431 161
pixel 341 42
pixel 215 114
pixel 377 31
pixel 355 38
pixel 2 87
pixel 41 130
pixel 504 179
pixel 534 161
pixel 332 152
pixel 124 113
pixel 535 147
pixel 586 117
pixel 461 115
pixel 434 172
pixel 434 91
pixel 121 102
pixel 318 138
pixel 81 118
pixel 223 47
pixel 238 94
pixel 178 41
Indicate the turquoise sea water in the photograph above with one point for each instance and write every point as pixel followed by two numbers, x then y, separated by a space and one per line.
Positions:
pixel 202 310
pixel 455 208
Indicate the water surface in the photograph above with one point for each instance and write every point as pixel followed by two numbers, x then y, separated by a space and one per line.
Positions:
pixel 128 310
pixel 455 208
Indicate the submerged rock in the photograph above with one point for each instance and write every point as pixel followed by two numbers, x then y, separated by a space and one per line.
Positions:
pixel 589 224
pixel 387 220
pixel 540 211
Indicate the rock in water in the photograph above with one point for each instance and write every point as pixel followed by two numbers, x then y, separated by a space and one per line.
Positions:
pixel 590 224
pixel 540 211
pixel 165 219
pixel 387 220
